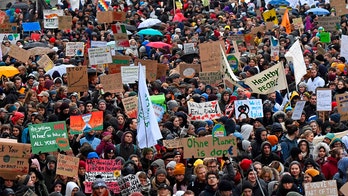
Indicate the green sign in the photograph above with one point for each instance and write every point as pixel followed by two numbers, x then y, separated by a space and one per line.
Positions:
pixel 49 137
pixel 325 37
pixel 233 61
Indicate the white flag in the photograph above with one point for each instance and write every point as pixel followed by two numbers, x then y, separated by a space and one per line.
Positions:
pixel 148 129
pixel 226 69
pixel 269 80
pixel 295 55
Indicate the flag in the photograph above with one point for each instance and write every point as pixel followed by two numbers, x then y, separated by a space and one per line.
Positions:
pixel 274 47
pixel 148 129
pixel 286 22
pixel 268 81
pixel 295 56
pixel 103 5
pixel 119 28
pixel 226 69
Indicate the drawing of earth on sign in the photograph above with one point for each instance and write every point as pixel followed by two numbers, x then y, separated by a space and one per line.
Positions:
pixel 86 119
pixel 189 72
pixel 219 130
pixel 233 61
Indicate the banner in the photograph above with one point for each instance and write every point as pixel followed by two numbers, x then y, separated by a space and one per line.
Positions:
pixel 67 165
pixel 98 56
pixel 209 146
pixel 327 188
pixel 330 23
pixel 109 84
pixel 13 158
pixel 204 111
pixel 77 79
pixel 51 18
pixel 19 53
pixel 49 137
pixel 324 99
pixel 211 78
pixel 129 184
pixel 86 122
pixel 269 80
pixel 342 105
pixel 74 49
pixel 130 105
pixel 251 108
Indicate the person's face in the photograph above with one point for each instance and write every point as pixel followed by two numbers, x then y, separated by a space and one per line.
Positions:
pixel 143 181
pixel 176 122
pixel 161 177
pixel 212 167
pixel 18 84
pixel 295 170
pixel 313 100
pixel 15 131
pixel 136 160
pixel 128 138
pixel 252 176
pixel 33 177
pixel 212 180
pixel 287 186
pixel 89 107
pixel 42 81
pixel 51 165
pixel 82 171
pixel 266 177
pixel 310 137
pixel 149 155
pixel 102 107
pixel 20 121
pixel 247 192
pixel 313 73
pixel 8 183
pixel 321 153
pixel 307 178
pixel 57 188
pixel 201 172
pixel 134 124
pixel 303 147
pixel 226 97
pixel 170 171
pixel 177 158
pixel 179 177
pixel 267 150
pixel 264 135
pixel 258 169
pixel 163 192
pixel 100 191
pixel 120 120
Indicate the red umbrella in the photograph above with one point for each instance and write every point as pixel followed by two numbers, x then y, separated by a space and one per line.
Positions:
pixel 158 45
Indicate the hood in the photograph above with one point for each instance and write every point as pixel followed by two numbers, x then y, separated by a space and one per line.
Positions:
pixel 265 143
pixel 317 148
pixel 246 130
pixel 124 135
pixel 258 132
pixel 69 187
pixel 343 164
pixel 183 116
pixel 159 163
pixel 277 114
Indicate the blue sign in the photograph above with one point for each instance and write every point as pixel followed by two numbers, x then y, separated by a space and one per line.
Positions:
pixel 31 26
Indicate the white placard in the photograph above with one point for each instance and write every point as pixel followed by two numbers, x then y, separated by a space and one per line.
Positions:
pixel 324 100
pixel 129 74
pixel 251 108
pixel 74 49
pixel 51 18
pixel 98 56
pixel 98 44
pixel 296 114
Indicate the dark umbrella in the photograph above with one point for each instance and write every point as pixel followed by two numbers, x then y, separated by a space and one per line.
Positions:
pixel 188 58
pixel 129 27
pixel 22 6
pixel 92 71
pixel 35 44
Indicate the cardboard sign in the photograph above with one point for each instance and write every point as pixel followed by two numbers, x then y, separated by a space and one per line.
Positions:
pixel 327 188
pixel 98 56
pixel 236 37
pixel 8 28
pixel 129 74
pixel 251 108
pixel 86 122
pixel 297 113
pixel 330 23
pixel 189 70
pixel 39 51
pixel 340 7
pixel 173 143
pixel 324 99
pixel 98 44
pixel 11 37
pixel 257 29
pixel 67 165
pixel 159 106
pixel 121 40
pixel 13 158
pixel 105 17
pixel 189 48
pixel 29 192
pixel 77 79
pixel 31 26
pixel 19 53
pixel 344 189
pixel 109 83
pixel 49 137
pixel 74 49
pixel 270 16
pixel 161 70
pixel 117 62
pixel 119 16
pixel 212 78
pixel 64 22
pixel 45 62
pixel 129 184
pixel 342 105
pixel 51 18
pixel 130 105
pixel 204 111
pixel 298 23
pixel 151 68
pixel 209 146
pixel 210 56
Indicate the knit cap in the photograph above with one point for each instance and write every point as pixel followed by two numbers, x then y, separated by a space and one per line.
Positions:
pixel 286 178
pixel 179 169
pixel 245 164
pixel 312 172
pixel 161 171
pixel 171 164
pixel 272 139
pixel 197 162
pixel 245 144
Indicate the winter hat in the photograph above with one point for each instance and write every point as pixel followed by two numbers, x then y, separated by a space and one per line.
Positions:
pixel 225 185
pixel 276 127
pixel 179 169
pixel 246 185
pixel 119 158
pixel 293 193
pixel 312 172
pixel 286 178
pixel 109 148
pixel 330 136
pixel 171 164
pixel 146 151
pixel 161 171
pixel 272 139
pixel 8 191
pixel 36 163
pixel 92 155
pixel 16 117
pixel 198 162
pixel 82 164
pixel 55 194
pixel 52 40
pixel 200 129
pixel 245 164
pixel 336 117
pixel 99 183
pixel 245 144
pixel 238 135
pixel 12 108
pixel 172 104
pixel 100 101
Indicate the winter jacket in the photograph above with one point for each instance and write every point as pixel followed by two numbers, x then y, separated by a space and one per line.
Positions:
pixel 287 145
pixel 329 169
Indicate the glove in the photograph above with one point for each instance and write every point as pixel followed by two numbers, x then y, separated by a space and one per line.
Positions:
pixel 191 161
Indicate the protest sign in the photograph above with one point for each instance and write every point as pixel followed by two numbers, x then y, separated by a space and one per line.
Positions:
pixel 103 5
pixel 173 143
pixel 189 70
pixel 119 16
pixel 129 74
pixel 342 105
pixel 236 37
pixel 270 16
pixel 13 158
pixel 340 7
pixel 117 62
pixel 86 122
pixel 99 55
pixel 255 30
pixel 151 68
pixel 251 108
pixel 98 44
pixel 233 62
pixel 159 105
pixel 120 35
pixel 204 111
pixel 344 47
pixel 74 49
pixel 212 78
pixel 31 26
pixel 109 170
pixel 209 146
pixel 297 113
pixel 40 51
pixel 324 99
pixel 325 37
pixel 105 17
pixel 275 47
pixel 67 165
pixel 51 18
pixel 129 184
pixel 330 23
pixel 189 48
pixel 30 192
pixel 130 105
pixel 161 70
pixel 210 56
pixel 219 130
pixel 344 189
pixel 64 22
pixel 11 37
pixel 269 80
pixel 45 62
pixel 77 79
pixel 19 53
pixel 111 83
pixel 327 188
pixel 298 23
pixel 8 28
pixel 49 137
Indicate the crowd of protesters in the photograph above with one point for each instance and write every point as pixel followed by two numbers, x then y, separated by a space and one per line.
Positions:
pixel 276 154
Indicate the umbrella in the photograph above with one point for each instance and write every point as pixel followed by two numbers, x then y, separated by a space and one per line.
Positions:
pixel 148 23
pixel 129 27
pixel 318 11
pixel 279 2
pixel 35 44
pixel 158 45
pixel 188 58
pixel 93 71
pixel 22 6
pixel 150 32
pixel 8 71
pixel 61 69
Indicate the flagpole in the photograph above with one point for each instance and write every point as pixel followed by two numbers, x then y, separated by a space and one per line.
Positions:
pixel 142 108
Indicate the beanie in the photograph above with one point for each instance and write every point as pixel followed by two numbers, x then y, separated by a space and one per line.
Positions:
pixel 245 164
pixel 171 164
pixel 312 172
pixel 200 129
pixel 109 148
pixel 287 179
pixel 245 144
pixel 336 117
pixel 272 139
pixel 276 127
pixel 92 155
pixel 161 171
pixel 82 164
pixel 172 104
pixel 52 40
pixel 179 169
pixel 16 117
pixel 330 136
pixel 225 185
pixel 197 162
pixel 246 185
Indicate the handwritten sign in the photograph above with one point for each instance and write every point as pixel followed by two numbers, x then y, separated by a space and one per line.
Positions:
pixel 210 54
pixel 74 49
pixel 327 188
pixel 173 143
pixel 51 18
pixel 297 113
pixel 64 22
pixel 45 62
pixel 212 78
pixel 151 68
pixel 49 137
pixel 161 70
pixel 189 48
pixel 117 62
pixel 189 70
pixel 129 74
pixel 98 56
pixel 330 23
pixel 11 37
pixel 237 37
pixel 119 16
pixel 105 17
pixel 270 16
pixel 130 105
pixel 86 122
pixel 324 99
pixel 77 79
pixel 251 108
pixel 13 158
pixel 340 7
pixel 109 84
pixel 129 184
pixel 8 28
pixel 209 146
pixel 298 23
pixel 67 165
pixel 342 105
pixel 204 111
pixel 19 53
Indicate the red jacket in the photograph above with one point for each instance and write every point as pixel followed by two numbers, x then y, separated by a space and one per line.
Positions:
pixel 329 168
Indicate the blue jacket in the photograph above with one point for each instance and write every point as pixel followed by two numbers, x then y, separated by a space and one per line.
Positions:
pixel 287 145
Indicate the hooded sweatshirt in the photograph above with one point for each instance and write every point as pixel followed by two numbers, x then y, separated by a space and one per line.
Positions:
pixel 70 187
